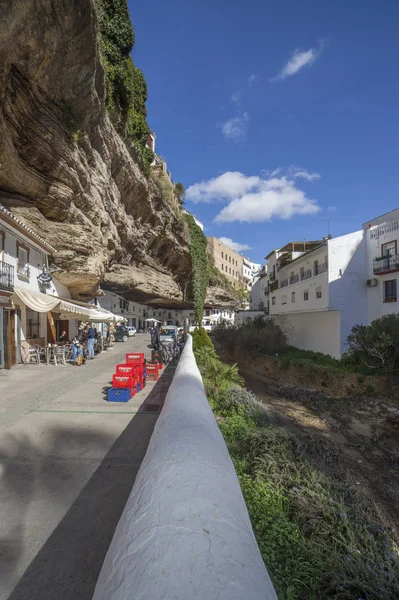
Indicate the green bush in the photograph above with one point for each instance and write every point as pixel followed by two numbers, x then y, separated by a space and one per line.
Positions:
pixel 260 336
pixel 201 338
pixel 375 346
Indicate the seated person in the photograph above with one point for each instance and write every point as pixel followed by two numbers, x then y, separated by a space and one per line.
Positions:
pixel 63 337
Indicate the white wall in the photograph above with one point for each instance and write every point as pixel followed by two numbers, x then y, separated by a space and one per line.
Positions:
pixel 347 281
pixel 317 331
pixel 257 293
pixel 185 532
pixel 375 237
pixel 309 285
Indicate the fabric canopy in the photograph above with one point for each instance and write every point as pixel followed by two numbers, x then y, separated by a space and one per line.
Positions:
pixel 75 309
pixel 152 321
pixel 44 303
pixel 36 300
pixel 102 316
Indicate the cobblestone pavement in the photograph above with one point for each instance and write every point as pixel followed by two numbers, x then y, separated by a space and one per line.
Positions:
pixel 68 460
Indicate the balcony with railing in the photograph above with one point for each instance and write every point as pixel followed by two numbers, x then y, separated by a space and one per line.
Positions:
pixel 284 283
pixel 294 279
pixel 6 276
pixel 386 264
pixel 274 286
pixel 306 274
pixel 272 276
pixel 319 269
pixel 267 291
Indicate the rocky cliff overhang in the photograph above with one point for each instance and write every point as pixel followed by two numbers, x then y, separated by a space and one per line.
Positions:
pixel 66 172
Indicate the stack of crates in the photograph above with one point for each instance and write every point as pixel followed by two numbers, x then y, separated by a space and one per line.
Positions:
pixel 153 372
pixel 128 379
pixel 137 361
pixel 156 358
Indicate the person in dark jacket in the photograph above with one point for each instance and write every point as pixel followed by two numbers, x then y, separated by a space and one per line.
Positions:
pixel 91 336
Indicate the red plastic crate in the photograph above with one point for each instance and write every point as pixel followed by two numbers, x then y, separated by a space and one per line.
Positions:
pixel 152 372
pixel 125 369
pixel 122 381
pixel 135 358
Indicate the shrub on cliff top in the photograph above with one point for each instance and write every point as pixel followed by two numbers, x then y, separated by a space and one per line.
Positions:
pixel 125 83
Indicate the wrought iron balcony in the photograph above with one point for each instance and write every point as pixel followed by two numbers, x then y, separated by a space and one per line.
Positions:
pixel 320 269
pixel 6 276
pixel 274 286
pixel 306 274
pixel 272 276
pixel 267 291
pixel 386 264
pixel 294 279
pixel 284 283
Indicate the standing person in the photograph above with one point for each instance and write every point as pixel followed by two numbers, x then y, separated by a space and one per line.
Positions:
pixel 90 341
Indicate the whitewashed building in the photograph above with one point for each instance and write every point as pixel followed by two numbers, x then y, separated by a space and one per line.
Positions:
pixel 382 242
pixel 34 307
pixel 320 290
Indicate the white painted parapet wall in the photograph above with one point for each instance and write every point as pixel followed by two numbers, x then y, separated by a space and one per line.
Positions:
pixel 185 533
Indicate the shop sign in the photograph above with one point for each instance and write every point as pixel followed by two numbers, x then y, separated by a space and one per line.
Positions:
pixel 45 277
pixel 384 228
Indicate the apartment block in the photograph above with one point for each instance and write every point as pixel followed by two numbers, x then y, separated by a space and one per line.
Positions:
pixel 229 262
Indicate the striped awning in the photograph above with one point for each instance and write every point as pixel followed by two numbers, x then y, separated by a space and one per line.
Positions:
pixel 44 303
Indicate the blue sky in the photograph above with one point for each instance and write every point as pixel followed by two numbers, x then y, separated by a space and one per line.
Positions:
pixel 275 114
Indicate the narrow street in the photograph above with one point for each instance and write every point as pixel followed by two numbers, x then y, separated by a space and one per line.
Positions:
pixel 68 460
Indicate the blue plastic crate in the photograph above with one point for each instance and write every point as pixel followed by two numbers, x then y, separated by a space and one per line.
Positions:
pixel 119 394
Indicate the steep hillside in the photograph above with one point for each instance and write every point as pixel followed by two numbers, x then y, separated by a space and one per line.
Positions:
pixel 66 169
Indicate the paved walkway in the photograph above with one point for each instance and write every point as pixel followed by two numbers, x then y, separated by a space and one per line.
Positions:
pixel 68 460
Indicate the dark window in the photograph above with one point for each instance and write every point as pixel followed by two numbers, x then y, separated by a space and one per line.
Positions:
pixel 292 297
pixel 33 319
pixel 390 294
pixel 318 292
pixel 274 300
pixel 306 295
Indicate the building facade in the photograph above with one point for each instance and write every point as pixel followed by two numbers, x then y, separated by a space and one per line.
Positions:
pixel 227 261
pixel 34 307
pixel 320 292
pixel 382 243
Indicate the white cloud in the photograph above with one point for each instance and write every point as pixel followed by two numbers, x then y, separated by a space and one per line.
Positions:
pixel 299 60
pixel 236 97
pixel 308 176
pixel 251 199
pixel 234 245
pixel 292 171
pixel 235 128
pixel 222 188
pixel 331 209
pixel 253 78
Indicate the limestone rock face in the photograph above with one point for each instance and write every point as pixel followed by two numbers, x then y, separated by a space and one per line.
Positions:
pixel 64 169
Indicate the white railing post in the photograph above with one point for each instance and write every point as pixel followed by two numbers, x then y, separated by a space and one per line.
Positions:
pixel 185 532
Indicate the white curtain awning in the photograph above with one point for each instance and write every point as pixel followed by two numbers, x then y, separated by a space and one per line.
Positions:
pixel 102 316
pixel 70 307
pixel 36 300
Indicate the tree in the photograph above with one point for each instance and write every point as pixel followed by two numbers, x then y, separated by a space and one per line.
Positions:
pixel 180 192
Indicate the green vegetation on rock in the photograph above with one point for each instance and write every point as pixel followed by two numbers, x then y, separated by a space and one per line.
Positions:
pixel 125 83
pixel 199 267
